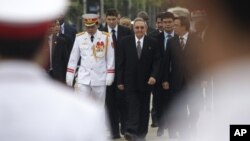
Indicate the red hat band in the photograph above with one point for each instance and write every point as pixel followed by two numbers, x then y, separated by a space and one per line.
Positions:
pixel 12 31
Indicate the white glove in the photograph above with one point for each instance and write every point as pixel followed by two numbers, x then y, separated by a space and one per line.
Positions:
pixel 69 78
pixel 110 78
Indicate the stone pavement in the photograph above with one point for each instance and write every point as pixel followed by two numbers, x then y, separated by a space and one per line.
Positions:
pixel 151 136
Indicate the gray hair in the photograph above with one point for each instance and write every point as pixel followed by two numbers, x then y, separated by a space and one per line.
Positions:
pixel 140 20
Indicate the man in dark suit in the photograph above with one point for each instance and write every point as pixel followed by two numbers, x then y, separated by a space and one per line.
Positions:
pixel 115 99
pixel 161 95
pixel 181 66
pixel 154 34
pixel 158 25
pixel 68 31
pixel 138 66
pixel 60 54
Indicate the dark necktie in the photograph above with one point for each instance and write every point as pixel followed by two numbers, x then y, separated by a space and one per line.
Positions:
pixel 167 37
pixel 182 43
pixel 92 38
pixel 113 36
pixel 138 47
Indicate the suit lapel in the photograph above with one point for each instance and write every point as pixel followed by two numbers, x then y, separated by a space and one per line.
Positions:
pixel 187 45
pixel 144 47
pixel 119 33
pixel 133 48
pixel 178 44
pixel 162 41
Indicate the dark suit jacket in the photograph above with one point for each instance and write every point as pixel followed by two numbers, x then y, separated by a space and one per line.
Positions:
pixel 161 40
pixel 60 58
pixel 181 66
pixel 70 33
pixel 133 72
pixel 154 34
pixel 150 30
pixel 122 32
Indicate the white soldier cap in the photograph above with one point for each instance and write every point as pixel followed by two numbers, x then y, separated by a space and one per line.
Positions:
pixel 90 19
pixel 28 18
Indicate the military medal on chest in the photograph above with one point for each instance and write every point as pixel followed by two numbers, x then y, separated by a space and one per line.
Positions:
pixel 99 49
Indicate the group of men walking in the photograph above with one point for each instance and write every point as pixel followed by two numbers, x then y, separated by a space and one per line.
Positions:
pixel 120 68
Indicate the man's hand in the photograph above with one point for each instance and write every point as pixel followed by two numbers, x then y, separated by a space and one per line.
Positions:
pixel 165 85
pixel 151 81
pixel 120 87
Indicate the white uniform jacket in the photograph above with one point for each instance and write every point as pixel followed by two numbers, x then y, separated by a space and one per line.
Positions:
pixel 97 60
pixel 33 108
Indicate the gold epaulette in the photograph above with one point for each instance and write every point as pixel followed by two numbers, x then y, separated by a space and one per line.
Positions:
pixel 106 33
pixel 78 34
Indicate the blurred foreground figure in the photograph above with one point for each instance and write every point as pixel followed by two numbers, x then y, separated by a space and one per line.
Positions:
pixel 32 107
pixel 225 56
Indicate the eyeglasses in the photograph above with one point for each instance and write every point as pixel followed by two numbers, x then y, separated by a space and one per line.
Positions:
pixel 139 27
pixel 88 27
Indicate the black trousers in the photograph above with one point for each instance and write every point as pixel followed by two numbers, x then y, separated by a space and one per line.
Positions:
pixel 178 102
pixel 160 103
pixel 116 109
pixel 138 103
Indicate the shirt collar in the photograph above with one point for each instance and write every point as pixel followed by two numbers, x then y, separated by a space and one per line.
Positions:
pixel 185 36
pixel 62 28
pixel 94 34
pixel 141 40
pixel 166 34
pixel 110 29
pixel 50 36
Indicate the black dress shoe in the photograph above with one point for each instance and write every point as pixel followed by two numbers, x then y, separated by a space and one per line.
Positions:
pixel 129 136
pixel 160 131
pixel 154 125
pixel 123 131
pixel 116 137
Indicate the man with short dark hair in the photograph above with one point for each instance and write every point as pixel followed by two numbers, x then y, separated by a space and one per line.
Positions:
pixel 158 25
pixel 69 31
pixel 58 53
pixel 161 95
pixel 115 99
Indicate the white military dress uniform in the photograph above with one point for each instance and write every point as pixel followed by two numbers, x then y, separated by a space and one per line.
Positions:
pixel 32 106
pixel 96 69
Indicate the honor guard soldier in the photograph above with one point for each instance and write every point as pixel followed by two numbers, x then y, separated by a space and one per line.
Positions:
pixel 96 53
pixel 32 106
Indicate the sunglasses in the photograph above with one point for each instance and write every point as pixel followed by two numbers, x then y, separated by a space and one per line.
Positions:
pixel 139 27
